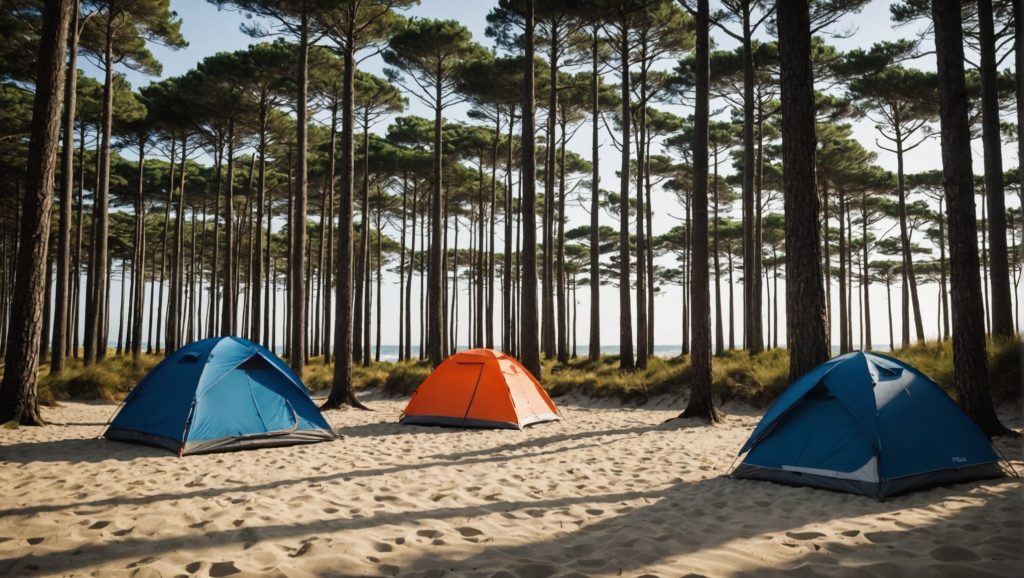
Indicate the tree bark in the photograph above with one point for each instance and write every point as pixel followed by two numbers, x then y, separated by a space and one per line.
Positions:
pixel 18 388
pixel 594 348
pixel 701 403
pixel 805 295
pixel 752 326
pixel 529 344
pixel 970 360
pixel 625 306
pixel 62 304
pixel 297 339
pixel 341 382
pixel 139 264
pixel 999 275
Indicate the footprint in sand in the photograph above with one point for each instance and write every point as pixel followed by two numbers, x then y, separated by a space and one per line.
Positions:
pixel 469 532
pixel 302 550
pixel 428 533
pixel 594 511
pixel 850 533
pixel 34 541
pixel 100 525
pixel 954 554
pixel 193 567
pixel 881 537
pixel 804 535
pixel 223 569
pixel 382 547
pixel 535 570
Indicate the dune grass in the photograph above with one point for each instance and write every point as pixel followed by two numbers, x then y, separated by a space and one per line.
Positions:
pixel 737 376
pixel 110 379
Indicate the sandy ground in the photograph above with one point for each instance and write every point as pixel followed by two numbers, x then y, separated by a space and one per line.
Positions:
pixel 606 492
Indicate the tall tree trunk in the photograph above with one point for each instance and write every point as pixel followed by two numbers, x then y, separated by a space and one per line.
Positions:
pixel 563 330
pixel 865 277
pixel 212 319
pixel 716 259
pixel 844 312
pixel 256 279
pixel 18 387
pixel 970 362
pixel 594 348
pixel 701 403
pixel 752 327
pixel 139 264
pixel 910 278
pixel 529 345
pixel 506 270
pixel 1001 306
pixel 943 269
pixel 625 306
pixel 227 320
pixel 96 336
pixel 436 276
pixel 297 339
pixel 62 304
pixel 341 383
pixel 412 269
pixel 163 253
pixel 641 238
pixel 478 318
pixel 548 290
pixel 489 313
pixel 805 296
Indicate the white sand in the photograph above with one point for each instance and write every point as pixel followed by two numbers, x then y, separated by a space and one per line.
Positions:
pixel 606 492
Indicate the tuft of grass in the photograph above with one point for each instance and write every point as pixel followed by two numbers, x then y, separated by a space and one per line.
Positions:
pixel 406 376
pixel 319 376
pixel 935 359
pixel 736 375
pixel 110 379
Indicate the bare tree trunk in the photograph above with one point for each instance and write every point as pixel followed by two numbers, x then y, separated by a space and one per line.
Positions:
pixel 594 349
pixel 625 306
pixel 1001 304
pixel 701 403
pixel 341 383
pixel 297 340
pixel 530 347
pixel 563 330
pixel 139 265
pixel 970 361
pixel 227 319
pixel 18 400
pixel 62 305
pixel 805 296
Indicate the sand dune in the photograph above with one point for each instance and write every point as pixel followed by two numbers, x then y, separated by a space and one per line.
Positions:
pixel 606 492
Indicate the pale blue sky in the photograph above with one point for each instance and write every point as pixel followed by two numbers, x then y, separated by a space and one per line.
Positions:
pixel 209 30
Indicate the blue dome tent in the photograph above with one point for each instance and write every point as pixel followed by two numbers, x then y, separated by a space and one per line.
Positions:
pixel 219 394
pixel 867 424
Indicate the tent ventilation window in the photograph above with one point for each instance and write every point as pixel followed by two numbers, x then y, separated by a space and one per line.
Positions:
pixel 255 362
pixel 189 358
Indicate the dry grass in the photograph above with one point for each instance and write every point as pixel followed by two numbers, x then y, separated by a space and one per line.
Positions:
pixel 110 379
pixel 737 376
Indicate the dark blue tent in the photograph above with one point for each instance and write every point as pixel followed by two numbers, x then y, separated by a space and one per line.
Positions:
pixel 219 394
pixel 867 424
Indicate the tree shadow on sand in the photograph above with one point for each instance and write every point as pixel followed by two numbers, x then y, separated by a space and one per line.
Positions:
pixel 77 451
pixel 717 511
pixel 97 450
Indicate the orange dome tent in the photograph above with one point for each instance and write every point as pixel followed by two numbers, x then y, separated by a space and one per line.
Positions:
pixel 480 388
